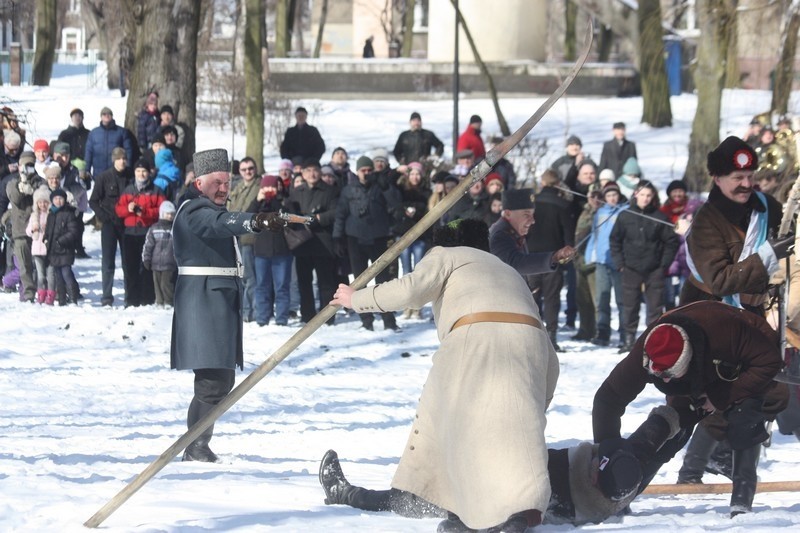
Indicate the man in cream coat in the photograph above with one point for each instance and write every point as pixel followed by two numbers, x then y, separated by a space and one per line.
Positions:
pixel 477 445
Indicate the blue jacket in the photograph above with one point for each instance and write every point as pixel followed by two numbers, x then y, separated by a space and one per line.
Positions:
pixel 101 141
pixel 168 177
pixel 598 249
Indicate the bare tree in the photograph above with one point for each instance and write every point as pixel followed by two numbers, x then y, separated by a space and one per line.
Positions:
pixel 570 43
pixel 501 119
pixel 282 39
pixel 323 16
pixel 114 28
pixel 408 28
pixel 253 83
pixel 166 57
pixel 714 20
pixel 655 90
pixel 784 70
pixel 46 34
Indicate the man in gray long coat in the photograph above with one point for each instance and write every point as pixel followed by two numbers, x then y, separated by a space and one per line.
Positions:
pixel 207 322
pixel 477 445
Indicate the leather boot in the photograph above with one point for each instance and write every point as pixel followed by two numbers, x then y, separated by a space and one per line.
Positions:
pixel 661 425
pixel 198 450
pixel 745 479
pixel 73 291
pixel 41 294
pixel 332 479
pixel 699 450
pixel 453 524
pixel 721 460
pixel 517 523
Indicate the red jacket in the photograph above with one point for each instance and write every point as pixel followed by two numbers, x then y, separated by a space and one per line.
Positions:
pixel 148 199
pixel 471 140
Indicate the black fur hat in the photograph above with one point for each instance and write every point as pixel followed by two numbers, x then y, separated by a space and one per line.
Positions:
pixel 463 232
pixel 732 154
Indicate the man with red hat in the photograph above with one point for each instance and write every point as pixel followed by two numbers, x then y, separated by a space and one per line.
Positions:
pixel 706 357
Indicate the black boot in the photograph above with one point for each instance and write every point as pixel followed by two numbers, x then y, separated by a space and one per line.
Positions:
pixel 453 524
pixel 697 453
pixel 73 291
pixel 745 479
pixel 332 479
pixel 661 425
pixel 517 523
pixel 198 450
pixel 556 347
pixel 721 461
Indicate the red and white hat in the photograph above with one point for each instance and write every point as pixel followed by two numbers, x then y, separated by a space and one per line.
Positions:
pixel 667 351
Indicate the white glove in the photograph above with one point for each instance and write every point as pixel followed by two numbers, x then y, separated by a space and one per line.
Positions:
pixel 768 257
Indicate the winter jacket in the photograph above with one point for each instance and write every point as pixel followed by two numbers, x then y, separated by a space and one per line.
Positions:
pixel 468 206
pixel 147 125
pixel 640 244
pixel 168 178
pixel 203 235
pixel 555 225
pixel 598 247
pixel 715 242
pixel 505 168
pixel 414 145
pixel 148 200
pixel 302 141
pixel 76 138
pixel 240 199
pixel 562 165
pixel 158 254
pixel 470 139
pixel 268 243
pixel 615 154
pixel 20 194
pixel 366 211
pixel 37 220
pixel 417 199
pixel 8 162
pixel 735 355
pixel 61 236
pixel 321 199
pixel 454 439
pixel 101 141
pixel 108 187
pixel 512 250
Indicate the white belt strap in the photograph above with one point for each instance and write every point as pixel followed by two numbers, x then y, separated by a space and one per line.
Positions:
pixel 208 271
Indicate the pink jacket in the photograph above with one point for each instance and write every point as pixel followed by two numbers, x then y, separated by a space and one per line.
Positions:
pixel 37 220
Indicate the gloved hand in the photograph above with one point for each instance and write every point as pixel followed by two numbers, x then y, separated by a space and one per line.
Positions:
pixel 268 221
pixel 339 248
pixel 773 250
pixel 783 247
pixel 25 187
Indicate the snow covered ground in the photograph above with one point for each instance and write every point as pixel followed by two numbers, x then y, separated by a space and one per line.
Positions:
pixel 89 400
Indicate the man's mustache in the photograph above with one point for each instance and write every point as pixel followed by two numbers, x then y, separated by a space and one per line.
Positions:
pixel 742 190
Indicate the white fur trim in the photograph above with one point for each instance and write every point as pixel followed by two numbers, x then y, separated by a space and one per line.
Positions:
pixel 681 366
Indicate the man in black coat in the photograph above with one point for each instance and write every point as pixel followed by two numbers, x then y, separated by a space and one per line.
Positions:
pixel 318 199
pixel 76 134
pixel 207 321
pixel 302 140
pixel 108 187
pixel 364 217
pixel 416 143
pixel 554 229
pixel 617 150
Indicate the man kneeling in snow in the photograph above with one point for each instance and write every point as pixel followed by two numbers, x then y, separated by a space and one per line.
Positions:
pixel 589 482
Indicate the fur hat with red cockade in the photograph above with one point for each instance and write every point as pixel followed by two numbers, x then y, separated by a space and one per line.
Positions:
pixel 667 351
pixel 731 155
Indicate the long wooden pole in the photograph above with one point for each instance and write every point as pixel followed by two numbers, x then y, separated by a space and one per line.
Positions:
pixel 478 173
pixel 720 488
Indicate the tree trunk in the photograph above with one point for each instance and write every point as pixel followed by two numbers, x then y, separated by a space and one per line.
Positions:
pixel 45 54
pixel 570 16
pixel 297 29
pixel 709 77
pixel 504 129
pixel 655 90
pixel 253 84
pixel 166 59
pixel 281 30
pixel 114 29
pixel 606 44
pixel 323 16
pixel 408 29
pixel 784 70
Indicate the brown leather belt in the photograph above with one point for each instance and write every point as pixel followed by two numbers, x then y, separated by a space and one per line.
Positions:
pixel 497 316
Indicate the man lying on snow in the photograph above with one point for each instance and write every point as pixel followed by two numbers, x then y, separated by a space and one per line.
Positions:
pixel 487 471
pixel 589 482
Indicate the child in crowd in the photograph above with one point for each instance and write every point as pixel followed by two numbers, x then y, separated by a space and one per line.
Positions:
pixel 159 256
pixel 45 277
pixel 61 236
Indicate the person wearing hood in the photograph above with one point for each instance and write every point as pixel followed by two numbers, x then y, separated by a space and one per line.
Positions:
pixel 168 175
pixel 362 227
pixel 470 139
pixel 45 277
pixel 630 178
pixel 61 234
pixel 642 250
pixel 138 207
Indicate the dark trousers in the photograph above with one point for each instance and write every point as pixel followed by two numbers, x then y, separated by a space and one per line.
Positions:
pixel 325 267
pixel 632 282
pixel 396 501
pixel 22 249
pixel 164 285
pixel 584 288
pixel 138 282
pixel 572 292
pixel 111 236
pixel 360 256
pixel 547 294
